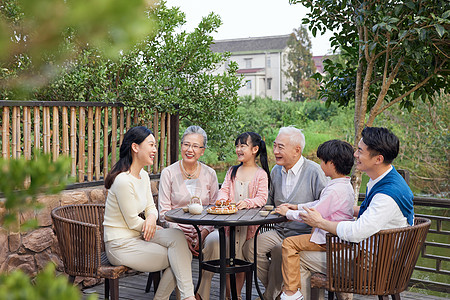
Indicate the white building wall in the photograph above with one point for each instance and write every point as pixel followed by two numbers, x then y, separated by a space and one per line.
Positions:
pixel 270 70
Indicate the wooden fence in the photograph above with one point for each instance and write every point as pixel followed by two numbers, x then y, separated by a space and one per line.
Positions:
pixel 90 133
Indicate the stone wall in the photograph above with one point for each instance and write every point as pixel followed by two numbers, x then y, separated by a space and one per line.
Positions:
pixel 31 251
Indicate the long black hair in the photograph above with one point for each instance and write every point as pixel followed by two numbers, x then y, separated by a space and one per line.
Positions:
pixel 255 140
pixel 135 135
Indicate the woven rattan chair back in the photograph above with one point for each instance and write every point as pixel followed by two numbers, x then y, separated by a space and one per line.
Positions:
pixel 380 265
pixel 79 229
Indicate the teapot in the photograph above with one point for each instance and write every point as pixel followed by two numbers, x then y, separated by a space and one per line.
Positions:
pixel 195 206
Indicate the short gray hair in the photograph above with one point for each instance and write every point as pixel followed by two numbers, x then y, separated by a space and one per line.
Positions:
pixel 296 135
pixel 194 129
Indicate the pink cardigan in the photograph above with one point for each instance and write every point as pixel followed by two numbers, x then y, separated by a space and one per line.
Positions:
pixel 173 193
pixel 258 190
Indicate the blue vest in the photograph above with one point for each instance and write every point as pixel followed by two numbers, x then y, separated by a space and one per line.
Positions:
pixel 396 187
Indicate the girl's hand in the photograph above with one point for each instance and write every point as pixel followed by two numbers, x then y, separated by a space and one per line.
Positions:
pixel 242 204
pixel 149 227
pixel 290 206
pixel 282 209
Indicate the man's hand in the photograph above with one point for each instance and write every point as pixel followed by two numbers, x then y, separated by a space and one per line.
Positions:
pixel 282 210
pixel 314 219
pixel 149 227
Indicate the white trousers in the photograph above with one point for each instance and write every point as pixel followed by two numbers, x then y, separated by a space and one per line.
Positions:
pixel 167 250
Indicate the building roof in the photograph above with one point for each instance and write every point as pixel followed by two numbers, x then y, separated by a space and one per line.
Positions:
pixel 252 44
pixel 248 71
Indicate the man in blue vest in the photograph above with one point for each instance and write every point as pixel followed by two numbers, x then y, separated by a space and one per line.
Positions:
pixel 388 203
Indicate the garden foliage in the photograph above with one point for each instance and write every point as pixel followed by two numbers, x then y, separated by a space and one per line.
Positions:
pixel 169 71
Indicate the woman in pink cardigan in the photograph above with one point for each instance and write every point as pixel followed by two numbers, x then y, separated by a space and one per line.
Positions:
pixel 247 185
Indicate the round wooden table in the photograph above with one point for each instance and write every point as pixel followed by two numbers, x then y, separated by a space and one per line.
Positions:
pixel 227 265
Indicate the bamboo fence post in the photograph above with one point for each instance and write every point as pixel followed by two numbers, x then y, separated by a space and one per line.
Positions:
pixel 90 144
pixel 46 123
pixel 163 140
pixel 155 131
pixel 55 133
pixel 65 131
pixel 26 138
pixel 168 140
pixel 73 140
pixel 44 129
pixel 14 132
pixel 128 119
pixel 105 142
pixel 121 121
pixel 97 143
pixel 81 154
pixel 26 131
pixel 18 133
pixel 37 129
pixel 29 134
pixel 48 139
pixel 113 136
pixel 5 133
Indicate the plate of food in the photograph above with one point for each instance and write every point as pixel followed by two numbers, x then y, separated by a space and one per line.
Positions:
pixel 222 210
pixel 223 207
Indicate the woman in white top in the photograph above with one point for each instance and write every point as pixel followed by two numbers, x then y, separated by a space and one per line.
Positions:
pixel 190 179
pixel 133 241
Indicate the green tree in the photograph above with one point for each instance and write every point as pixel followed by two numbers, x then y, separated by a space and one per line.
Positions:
pixel 36 36
pixel 175 71
pixel 398 53
pixel 300 67
pixel 171 70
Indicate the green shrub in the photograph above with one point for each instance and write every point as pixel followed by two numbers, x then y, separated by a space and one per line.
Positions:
pixel 265 116
pixel 18 286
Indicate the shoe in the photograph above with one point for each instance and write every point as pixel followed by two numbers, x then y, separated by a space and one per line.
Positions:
pixel 296 296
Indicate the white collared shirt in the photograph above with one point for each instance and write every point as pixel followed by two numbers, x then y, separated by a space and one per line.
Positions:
pixel 382 213
pixel 290 178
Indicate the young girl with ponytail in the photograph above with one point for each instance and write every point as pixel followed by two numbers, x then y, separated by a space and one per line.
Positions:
pixel 247 185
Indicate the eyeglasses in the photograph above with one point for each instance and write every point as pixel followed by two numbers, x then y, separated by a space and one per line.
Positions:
pixel 195 147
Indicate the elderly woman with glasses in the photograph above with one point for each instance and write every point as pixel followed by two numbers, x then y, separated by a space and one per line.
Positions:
pixel 190 179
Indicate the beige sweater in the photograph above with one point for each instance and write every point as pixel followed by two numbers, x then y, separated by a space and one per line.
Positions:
pixel 127 197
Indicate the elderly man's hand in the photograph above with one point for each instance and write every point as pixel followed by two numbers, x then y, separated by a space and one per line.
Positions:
pixel 312 217
pixel 290 206
pixel 282 210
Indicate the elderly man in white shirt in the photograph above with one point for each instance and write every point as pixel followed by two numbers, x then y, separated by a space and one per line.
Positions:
pixel 295 180
pixel 388 203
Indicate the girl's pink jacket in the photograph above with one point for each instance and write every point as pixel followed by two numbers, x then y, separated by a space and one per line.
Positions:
pixel 258 193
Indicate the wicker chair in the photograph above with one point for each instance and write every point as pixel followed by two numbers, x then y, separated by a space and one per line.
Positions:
pixel 381 265
pixel 79 229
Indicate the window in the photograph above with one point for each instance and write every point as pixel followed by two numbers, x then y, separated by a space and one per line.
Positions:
pixel 248 63
pixel 248 85
pixel 268 62
pixel 269 83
